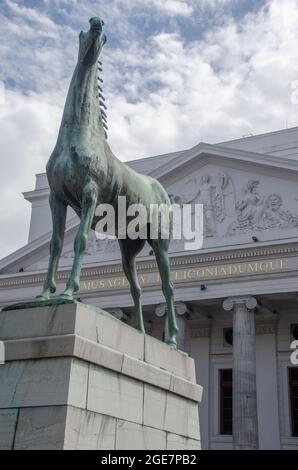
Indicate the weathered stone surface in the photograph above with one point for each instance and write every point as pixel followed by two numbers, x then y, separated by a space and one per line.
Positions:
pixel 8 421
pixel 37 322
pixel 175 442
pixel 82 348
pixel 64 427
pixel 103 328
pixel 164 357
pixel 78 385
pixel 41 428
pixel 155 401
pixel 98 354
pixel 43 382
pixel 182 416
pixel 86 430
pixel 170 412
pixel 115 395
pixel 131 436
pixel 146 372
pixel 186 388
pixel 36 348
pixel 85 321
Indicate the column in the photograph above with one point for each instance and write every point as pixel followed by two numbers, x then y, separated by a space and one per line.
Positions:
pixel 245 419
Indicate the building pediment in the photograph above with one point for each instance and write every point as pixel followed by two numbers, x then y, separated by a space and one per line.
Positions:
pixel 244 200
pixel 203 153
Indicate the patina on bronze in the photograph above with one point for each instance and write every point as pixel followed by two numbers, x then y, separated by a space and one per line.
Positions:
pixel 83 172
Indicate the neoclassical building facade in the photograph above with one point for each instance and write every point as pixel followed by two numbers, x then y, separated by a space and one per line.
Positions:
pixel 236 298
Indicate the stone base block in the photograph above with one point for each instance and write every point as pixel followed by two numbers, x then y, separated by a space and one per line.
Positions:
pixel 77 378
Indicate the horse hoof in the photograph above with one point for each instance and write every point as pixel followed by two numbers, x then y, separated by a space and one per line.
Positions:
pixel 66 296
pixel 41 298
pixel 172 344
pixel 142 330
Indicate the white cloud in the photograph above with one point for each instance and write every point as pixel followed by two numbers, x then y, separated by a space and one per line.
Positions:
pixel 215 3
pixel 29 128
pixel 173 7
pixel 31 15
pixel 212 90
pixel 168 7
pixel 164 93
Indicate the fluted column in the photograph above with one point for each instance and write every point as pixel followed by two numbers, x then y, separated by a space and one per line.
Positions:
pixel 245 419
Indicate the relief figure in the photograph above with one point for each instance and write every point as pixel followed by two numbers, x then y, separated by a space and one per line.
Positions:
pixel 274 216
pixel 249 208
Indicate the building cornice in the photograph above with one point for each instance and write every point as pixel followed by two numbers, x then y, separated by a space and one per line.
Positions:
pixel 147 266
pixel 35 194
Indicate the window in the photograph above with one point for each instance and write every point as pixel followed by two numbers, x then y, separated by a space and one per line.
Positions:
pixel 228 336
pixel 293 386
pixel 294 331
pixel 226 403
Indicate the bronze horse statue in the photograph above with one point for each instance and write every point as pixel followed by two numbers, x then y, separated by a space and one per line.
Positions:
pixel 83 172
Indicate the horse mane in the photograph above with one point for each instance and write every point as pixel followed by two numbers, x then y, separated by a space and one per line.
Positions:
pixel 102 100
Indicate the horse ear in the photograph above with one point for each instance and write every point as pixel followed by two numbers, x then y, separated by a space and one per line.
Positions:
pixel 102 22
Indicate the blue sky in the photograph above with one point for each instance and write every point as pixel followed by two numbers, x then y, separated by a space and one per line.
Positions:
pixel 176 72
pixel 127 21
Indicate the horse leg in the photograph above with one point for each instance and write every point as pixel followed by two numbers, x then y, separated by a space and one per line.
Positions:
pixel 88 209
pixel 58 210
pixel 160 248
pixel 129 250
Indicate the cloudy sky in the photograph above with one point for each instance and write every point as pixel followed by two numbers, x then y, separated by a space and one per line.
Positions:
pixel 176 72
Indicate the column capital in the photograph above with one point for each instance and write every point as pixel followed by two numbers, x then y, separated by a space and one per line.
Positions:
pixel 180 309
pixel 118 313
pixel 231 302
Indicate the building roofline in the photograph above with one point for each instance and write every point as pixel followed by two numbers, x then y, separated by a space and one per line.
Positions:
pixel 264 134
pixel 154 156
pixel 241 139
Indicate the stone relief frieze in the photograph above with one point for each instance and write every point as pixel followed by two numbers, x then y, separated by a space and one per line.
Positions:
pixel 227 211
pixel 257 212
pixel 217 194
pixel 230 212
pixel 249 207
pixel 273 215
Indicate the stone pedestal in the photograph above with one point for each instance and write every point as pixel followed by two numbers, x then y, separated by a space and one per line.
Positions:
pixel 77 378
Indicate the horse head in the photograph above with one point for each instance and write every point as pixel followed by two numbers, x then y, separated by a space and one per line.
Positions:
pixel 91 43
